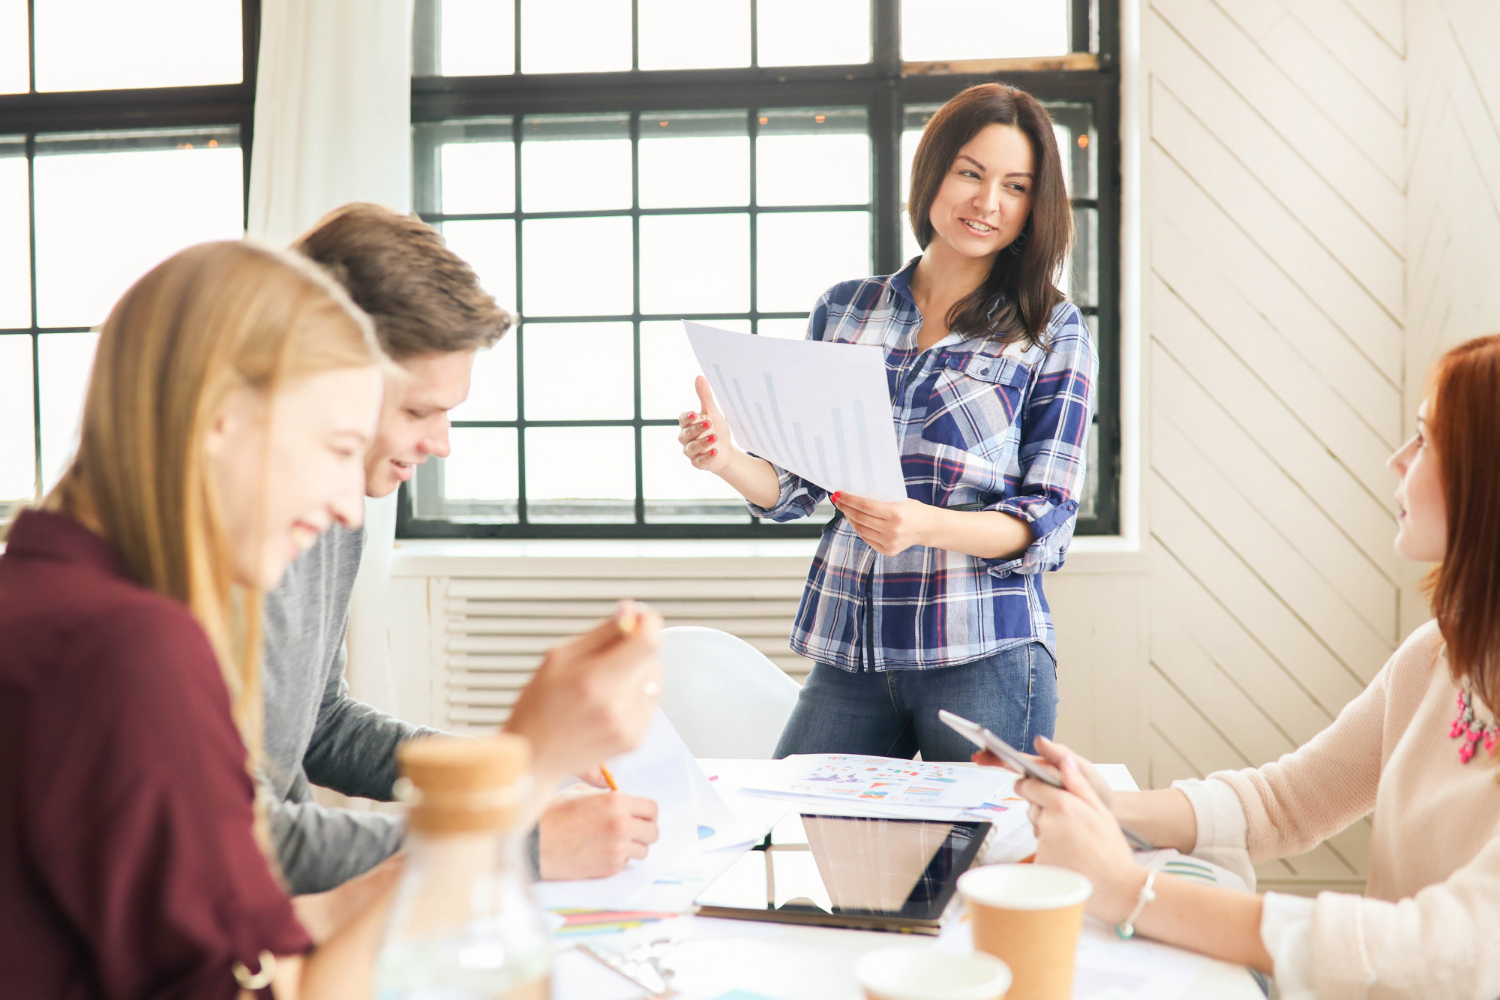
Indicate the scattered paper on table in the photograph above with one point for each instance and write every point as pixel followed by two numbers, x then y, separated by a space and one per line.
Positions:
pixel 822 411
pixel 889 781
pixel 661 769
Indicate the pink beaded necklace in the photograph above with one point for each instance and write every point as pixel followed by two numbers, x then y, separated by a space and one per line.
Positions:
pixel 1468 728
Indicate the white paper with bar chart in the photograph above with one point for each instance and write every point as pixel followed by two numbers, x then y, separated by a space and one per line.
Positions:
pixel 822 411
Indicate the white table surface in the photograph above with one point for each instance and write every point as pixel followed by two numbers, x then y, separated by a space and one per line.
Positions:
pixel 788 961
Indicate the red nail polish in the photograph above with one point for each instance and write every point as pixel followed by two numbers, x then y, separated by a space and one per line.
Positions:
pixel 712 438
pixel 705 425
pixel 713 451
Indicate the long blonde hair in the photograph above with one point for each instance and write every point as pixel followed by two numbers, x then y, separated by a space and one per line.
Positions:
pixel 211 318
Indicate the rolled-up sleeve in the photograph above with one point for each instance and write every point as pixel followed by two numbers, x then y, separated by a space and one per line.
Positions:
pixel 798 498
pixel 1055 424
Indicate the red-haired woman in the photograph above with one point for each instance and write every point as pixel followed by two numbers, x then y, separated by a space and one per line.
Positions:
pixel 936 601
pixel 1418 748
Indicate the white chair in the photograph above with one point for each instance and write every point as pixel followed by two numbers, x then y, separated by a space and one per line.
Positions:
pixel 723 695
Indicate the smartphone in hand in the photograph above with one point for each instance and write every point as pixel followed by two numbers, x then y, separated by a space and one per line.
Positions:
pixel 1017 761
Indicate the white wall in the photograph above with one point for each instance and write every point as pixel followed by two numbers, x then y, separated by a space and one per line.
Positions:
pixel 1312 213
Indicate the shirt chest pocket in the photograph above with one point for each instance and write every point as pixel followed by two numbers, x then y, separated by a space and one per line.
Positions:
pixel 974 401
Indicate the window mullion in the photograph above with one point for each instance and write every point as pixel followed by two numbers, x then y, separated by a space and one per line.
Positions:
pixel 635 309
pixel 520 306
pixel 36 340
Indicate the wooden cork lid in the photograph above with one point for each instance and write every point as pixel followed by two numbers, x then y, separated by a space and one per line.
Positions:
pixel 455 785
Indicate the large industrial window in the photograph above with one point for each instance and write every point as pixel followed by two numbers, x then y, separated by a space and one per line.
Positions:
pixel 122 139
pixel 611 167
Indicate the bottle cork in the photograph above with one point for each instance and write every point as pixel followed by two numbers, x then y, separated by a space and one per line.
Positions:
pixel 456 785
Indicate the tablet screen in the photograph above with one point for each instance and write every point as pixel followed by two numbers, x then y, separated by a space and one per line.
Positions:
pixel 844 865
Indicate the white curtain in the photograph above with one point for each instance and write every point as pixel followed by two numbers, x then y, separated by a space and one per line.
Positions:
pixel 333 125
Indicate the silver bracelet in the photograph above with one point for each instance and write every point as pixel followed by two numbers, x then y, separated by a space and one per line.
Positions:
pixel 1125 929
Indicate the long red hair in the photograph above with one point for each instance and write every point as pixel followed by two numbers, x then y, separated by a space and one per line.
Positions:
pixel 1463 426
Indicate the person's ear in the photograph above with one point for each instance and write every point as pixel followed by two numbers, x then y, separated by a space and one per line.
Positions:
pixel 240 409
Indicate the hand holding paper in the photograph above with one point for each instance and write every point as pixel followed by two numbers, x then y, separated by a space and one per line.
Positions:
pixel 822 411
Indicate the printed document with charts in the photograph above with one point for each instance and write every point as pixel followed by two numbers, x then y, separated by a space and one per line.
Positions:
pixel 820 410
pixel 854 785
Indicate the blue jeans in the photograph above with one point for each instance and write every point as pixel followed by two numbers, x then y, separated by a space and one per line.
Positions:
pixel 894 713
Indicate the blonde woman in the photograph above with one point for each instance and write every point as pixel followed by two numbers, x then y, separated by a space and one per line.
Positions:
pixel 233 397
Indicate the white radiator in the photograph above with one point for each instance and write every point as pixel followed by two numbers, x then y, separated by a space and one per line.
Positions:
pixel 488 633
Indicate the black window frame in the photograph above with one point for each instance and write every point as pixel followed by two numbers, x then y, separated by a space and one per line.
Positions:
pixel 36 113
pixel 885 91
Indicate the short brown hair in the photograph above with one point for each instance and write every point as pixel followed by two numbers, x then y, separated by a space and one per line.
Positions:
pixel 1018 297
pixel 1463 426
pixel 422 296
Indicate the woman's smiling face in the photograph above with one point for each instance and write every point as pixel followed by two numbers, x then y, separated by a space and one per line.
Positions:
pixel 985 198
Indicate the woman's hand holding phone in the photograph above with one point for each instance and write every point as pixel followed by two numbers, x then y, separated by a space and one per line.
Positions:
pixel 1053 754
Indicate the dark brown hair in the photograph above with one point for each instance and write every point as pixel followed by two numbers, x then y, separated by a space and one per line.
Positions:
pixel 1019 295
pixel 422 296
pixel 1463 427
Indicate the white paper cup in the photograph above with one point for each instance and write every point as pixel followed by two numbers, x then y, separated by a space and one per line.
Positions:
pixel 1029 916
pixel 908 973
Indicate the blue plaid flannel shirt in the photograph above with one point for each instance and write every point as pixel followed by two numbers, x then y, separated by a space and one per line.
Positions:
pixel 975 423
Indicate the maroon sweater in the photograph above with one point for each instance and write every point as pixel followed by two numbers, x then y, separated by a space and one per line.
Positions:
pixel 127 864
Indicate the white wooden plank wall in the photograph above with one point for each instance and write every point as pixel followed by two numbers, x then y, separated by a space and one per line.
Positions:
pixel 1275 311
pixel 1453 196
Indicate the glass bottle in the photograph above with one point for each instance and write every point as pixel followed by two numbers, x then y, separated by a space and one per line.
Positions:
pixel 464 924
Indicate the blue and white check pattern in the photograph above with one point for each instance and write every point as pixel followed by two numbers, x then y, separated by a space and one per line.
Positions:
pixel 974 423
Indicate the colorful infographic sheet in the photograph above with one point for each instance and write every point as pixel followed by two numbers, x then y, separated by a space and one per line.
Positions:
pixel 892 782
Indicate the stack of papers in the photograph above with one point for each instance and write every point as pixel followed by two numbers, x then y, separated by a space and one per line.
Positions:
pixel 853 785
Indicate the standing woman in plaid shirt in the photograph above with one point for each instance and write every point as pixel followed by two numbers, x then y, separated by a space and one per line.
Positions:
pixel 936 601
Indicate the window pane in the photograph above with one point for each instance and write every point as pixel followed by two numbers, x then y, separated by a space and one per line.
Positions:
pixel 65 361
pixel 107 45
pixel 675 491
pixel 580 474
pixel 492 393
pixel 476 37
pixel 787 329
pixel 1080 278
pixel 825 33
pixel 92 244
pixel 1074 127
pixel 478 177
pixel 813 158
pixel 579 371
pixel 489 246
pixel 578 267
pixel 483 467
pixel 695 263
pixel 15 238
pixel 933 30
pixel 692 34
pixel 15 59
pixel 17 444
pixel 580 36
pixel 668 367
pixel 574 164
pixel 801 254
pixel 694 159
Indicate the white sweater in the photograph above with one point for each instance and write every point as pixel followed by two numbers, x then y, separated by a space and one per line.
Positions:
pixel 1428 925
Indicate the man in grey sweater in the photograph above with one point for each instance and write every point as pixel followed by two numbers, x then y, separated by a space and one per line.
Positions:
pixel 431 317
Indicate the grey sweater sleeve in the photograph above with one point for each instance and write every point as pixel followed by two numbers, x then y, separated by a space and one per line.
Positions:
pixel 353 747
pixel 320 848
